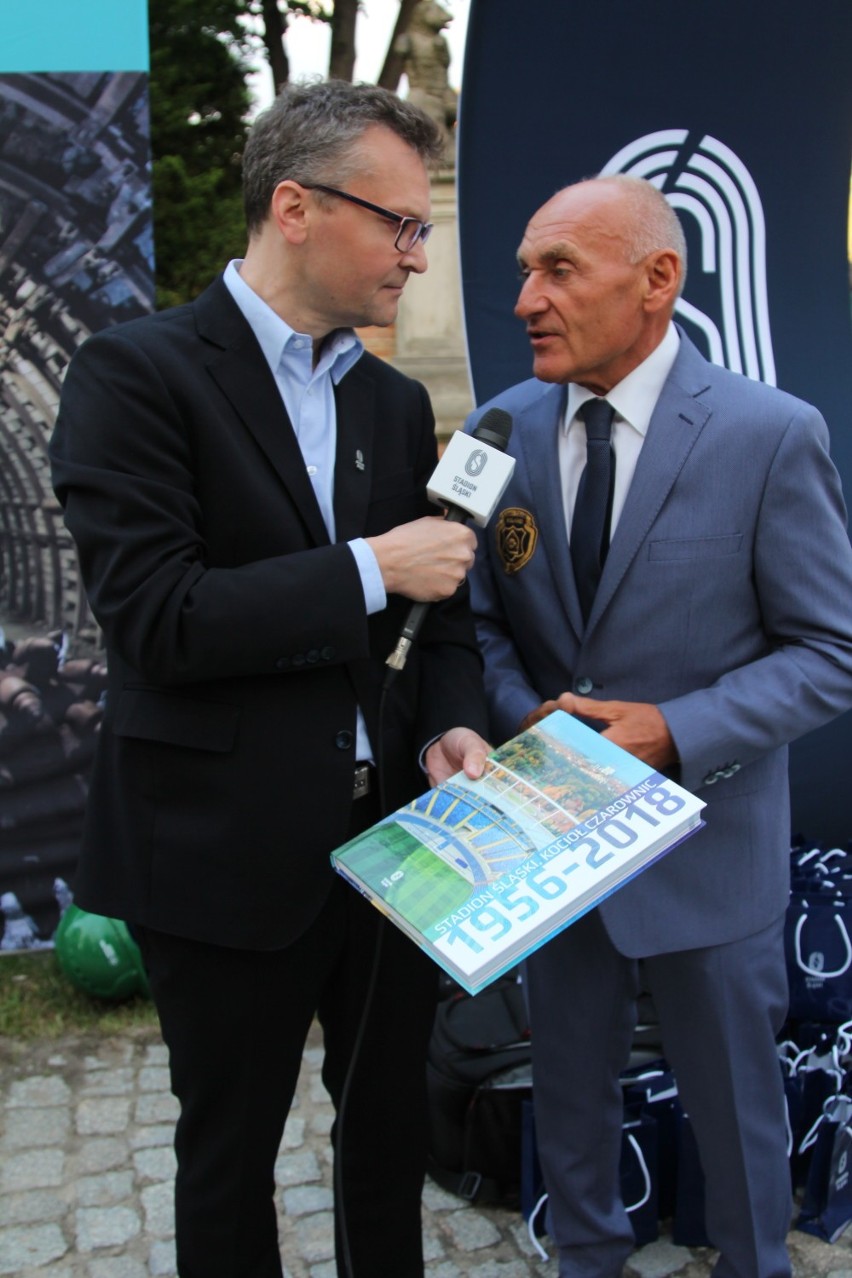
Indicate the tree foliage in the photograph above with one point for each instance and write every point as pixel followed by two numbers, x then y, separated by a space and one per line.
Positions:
pixel 201 54
pixel 199 106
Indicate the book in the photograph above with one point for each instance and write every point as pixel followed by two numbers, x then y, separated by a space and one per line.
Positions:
pixel 481 873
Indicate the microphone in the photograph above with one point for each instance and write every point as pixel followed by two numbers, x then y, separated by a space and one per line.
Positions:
pixel 469 481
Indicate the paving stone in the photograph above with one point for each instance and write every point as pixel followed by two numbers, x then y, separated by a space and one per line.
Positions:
pixel 156 1107
pixel 24 1248
pixel 105 1227
pixel 156 1054
pixel 437 1199
pixel 158 1204
pixel 38 1091
pixel 28 1127
pixel 433 1248
pixel 154 1078
pixel 117 1267
pixel 32 1169
pixel 321 1121
pixel 317 1092
pixel 297 1169
pixel 102 1117
pixel 114 1053
pixel 100 1154
pixel 328 1269
pixel 294 1133
pixel 446 1270
pixel 100 1191
pixel 87 1165
pixel 499 1269
pixel 31 1207
pixel 470 1231
pixel 113 1082
pixel 659 1259
pixel 314 1236
pixel 519 1231
pixel 157 1134
pixel 305 1199
pixel 162 1261
pixel 156 1163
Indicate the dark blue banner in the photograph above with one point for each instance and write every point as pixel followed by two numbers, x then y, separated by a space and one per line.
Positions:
pixel 742 116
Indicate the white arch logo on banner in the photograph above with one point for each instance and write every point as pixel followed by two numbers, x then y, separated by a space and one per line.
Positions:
pixel 715 188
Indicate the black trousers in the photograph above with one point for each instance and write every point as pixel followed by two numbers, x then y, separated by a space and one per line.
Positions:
pixel 235 1023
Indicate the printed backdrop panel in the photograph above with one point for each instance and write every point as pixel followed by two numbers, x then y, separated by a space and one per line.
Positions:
pixel 742 115
pixel 76 254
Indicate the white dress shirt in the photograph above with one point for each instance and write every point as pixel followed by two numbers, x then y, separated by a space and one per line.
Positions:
pixel 634 399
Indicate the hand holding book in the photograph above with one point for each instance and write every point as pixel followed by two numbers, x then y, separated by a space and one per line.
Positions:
pixel 479 873
pixel 637 726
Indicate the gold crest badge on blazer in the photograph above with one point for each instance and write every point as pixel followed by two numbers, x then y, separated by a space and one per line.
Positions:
pixel 517 535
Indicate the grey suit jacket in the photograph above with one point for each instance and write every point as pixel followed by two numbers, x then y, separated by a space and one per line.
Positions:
pixel 726 599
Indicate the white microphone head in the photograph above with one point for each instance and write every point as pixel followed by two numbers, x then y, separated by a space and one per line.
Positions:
pixel 473 474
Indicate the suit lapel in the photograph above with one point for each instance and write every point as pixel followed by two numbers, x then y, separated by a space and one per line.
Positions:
pixel 355 397
pixel 242 374
pixel 539 440
pixel 676 424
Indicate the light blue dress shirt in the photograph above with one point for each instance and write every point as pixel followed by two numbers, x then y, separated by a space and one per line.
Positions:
pixel 308 396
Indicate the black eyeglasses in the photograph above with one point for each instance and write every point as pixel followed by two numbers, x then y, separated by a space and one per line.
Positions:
pixel 411 229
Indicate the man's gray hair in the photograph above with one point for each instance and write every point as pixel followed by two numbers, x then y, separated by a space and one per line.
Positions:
pixel 654 224
pixel 309 132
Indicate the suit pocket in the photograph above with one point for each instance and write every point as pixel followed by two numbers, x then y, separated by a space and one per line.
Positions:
pixel 147 715
pixel 696 547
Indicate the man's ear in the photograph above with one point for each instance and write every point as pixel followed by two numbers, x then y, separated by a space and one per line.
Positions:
pixel 289 209
pixel 663 271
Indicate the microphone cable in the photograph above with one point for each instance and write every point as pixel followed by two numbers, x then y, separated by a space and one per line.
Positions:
pixel 339 1203
pixel 493 430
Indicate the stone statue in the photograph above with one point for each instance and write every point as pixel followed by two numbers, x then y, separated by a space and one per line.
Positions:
pixel 426 58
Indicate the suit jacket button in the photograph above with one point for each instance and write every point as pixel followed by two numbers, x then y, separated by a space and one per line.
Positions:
pixel 584 685
pixel 298 658
pixel 283 663
pixel 344 740
pixel 328 653
pixel 312 656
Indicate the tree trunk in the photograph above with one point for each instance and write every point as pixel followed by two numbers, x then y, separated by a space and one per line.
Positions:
pixel 274 29
pixel 392 69
pixel 341 63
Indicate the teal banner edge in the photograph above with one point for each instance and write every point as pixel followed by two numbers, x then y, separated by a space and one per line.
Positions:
pixel 74 35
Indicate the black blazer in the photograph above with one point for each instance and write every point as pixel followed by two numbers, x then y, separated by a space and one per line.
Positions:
pixel 237 639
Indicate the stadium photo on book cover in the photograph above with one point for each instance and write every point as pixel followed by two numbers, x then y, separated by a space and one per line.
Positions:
pixel 479 873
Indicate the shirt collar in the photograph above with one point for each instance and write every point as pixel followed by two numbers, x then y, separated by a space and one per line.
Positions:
pixel 341 350
pixel 635 396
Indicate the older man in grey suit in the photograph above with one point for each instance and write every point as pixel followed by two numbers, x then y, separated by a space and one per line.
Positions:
pixel 720 628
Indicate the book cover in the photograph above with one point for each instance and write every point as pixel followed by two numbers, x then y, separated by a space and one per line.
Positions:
pixel 480 873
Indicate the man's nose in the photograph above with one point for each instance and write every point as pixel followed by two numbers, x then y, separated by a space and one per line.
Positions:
pixel 530 301
pixel 415 258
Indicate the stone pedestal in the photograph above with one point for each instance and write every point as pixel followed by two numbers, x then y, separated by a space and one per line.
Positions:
pixel 430 341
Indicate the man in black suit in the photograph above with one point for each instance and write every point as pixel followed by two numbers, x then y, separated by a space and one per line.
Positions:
pixel 246 488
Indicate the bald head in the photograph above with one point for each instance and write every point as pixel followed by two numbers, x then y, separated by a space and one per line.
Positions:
pixel 602 263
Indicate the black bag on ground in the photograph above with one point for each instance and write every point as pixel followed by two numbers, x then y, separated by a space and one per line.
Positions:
pixel 478 1073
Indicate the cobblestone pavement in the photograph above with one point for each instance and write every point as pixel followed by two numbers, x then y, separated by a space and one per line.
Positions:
pixel 86 1168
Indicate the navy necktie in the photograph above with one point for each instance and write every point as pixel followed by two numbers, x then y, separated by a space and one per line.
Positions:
pixel 592 509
